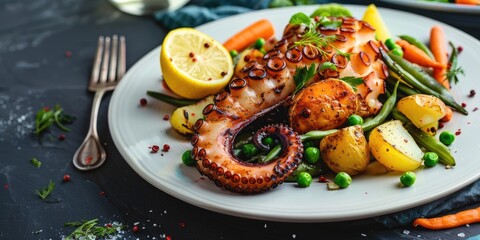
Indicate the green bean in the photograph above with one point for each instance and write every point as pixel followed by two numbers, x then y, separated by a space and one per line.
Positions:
pixel 393 78
pixel 417 43
pixel 425 140
pixel 313 169
pixel 367 125
pixel 408 78
pixel 419 74
pixel 171 100
pixel 272 154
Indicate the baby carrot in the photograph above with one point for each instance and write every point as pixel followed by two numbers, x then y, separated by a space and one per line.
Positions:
pixel 438 46
pixel 415 55
pixel 260 29
pixel 449 221
pixel 448 116
pixel 468 2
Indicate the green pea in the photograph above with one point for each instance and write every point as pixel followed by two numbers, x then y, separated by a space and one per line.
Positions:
pixel 408 179
pixel 233 53
pixel 354 120
pixel 447 137
pixel 249 150
pixel 187 158
pixel 304 179
pixel 343 180
pixel 430 159
pixel 390 44
pixel 312 154
pixel 259 43
pixel 268 141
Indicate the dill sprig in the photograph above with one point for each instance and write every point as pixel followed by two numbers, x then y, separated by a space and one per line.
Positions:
pixel 312 37
pixel 90 230
pixel 43 193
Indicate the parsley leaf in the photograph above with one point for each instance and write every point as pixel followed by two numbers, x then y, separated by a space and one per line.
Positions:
pixel 327 65
pixel 36 162
pixel 43 193
pixel 353 81
pixel 302 75
pixel 300 18
pixel 46 117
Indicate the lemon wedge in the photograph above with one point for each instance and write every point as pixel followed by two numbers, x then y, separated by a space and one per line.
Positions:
pixel 372 16
pixel 194 65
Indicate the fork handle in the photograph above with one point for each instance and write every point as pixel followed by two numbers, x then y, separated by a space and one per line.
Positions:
pixel 97 99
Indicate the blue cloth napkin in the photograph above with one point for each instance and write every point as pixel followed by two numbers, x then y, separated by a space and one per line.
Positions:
pixel 198 12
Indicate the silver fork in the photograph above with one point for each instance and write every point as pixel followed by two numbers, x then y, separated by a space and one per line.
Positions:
pixel 108 69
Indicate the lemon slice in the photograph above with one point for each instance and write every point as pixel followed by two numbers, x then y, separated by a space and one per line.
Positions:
pixel 194 65
pixel 373 17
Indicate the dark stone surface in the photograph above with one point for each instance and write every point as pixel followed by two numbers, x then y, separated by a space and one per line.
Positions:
pixel 35 71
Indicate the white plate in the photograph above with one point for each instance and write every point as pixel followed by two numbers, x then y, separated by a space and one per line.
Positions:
pixel 134 129
pixel 437 6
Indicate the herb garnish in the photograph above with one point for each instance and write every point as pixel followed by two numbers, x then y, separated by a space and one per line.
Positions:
pixel 302 75
pixel 43 193
pixel 46 117
pixel 90 230
pixel 353 81
pixel 312 38
pixel 36 162
pixel 453 69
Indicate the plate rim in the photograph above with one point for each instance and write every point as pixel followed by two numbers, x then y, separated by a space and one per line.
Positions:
pixel 272 216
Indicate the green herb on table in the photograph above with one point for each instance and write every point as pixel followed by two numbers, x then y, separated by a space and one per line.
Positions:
pixel 43 193
pixel 91 230
pixel 36 162
pixel 46 117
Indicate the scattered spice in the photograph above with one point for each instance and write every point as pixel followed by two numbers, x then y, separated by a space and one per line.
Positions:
pixel 68 54
pixel 102 193
pixel 166 117
pixel 135 228
pixel 36 162
pixel 459 49
pixel 66 178
pixel 458 132
pixel 472 93
pixel 43 193
pixel 143 102
pixel 323 179
pixel 61 137
pixel 206 45
pixel 5 186
pixel 154 148
pixel 166 147
pixel 475 109
pixel 464 104
pixel 89 159
pixel 91 230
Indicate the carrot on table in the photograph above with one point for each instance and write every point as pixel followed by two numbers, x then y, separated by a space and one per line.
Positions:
pixel 438 46
pixel 260 29
pixel 415 55
pixel 468 2
pixel 449 221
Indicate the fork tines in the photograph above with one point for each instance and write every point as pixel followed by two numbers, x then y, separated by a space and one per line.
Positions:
pixel 110 60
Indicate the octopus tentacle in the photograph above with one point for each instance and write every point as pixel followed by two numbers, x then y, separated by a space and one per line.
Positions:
pixel 264 84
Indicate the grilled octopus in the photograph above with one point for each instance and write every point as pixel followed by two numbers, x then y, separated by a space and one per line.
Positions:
pixel 266 83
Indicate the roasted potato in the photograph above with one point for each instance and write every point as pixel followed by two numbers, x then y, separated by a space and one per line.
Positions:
pixel 323 105
pixel 424 111
pixel 346 150
pixel 392 145
pixel 183 118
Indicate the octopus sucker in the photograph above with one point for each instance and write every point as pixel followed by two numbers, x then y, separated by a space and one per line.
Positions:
pixel 263 84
